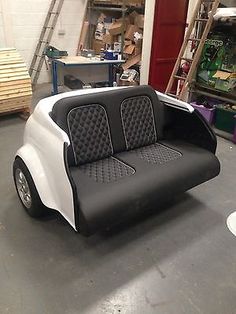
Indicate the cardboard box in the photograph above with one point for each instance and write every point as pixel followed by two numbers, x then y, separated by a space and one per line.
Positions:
pixel 98 45
pixel 129 49
pixel 132 16
pixel 116 28
pixel 128 42
pixel 224 81
pixel 139 43
pixel 126 21
pixel 137 50
pixel 131 29
pixel 108 39
pixel 132 61
pixel 127 83
pixel 139 20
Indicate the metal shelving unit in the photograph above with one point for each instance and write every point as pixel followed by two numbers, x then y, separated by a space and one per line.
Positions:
pixel 211 92
pixel 214 93
pixel 122 8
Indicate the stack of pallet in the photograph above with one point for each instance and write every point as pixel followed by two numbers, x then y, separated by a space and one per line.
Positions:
pixel 15 83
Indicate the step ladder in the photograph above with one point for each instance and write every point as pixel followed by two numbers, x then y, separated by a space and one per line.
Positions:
pixel 205 21
pixel 44 39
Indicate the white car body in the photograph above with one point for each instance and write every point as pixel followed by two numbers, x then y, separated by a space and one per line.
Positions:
pixel 43 152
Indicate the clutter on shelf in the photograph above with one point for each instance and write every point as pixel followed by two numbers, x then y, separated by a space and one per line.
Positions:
pixel 225 14
pixel 129 77
pixel 135 3
pixel 217 67
pixel 221 114
pixel 108 36
pixel 113 30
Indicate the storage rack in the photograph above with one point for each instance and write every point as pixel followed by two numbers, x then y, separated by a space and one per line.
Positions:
pixel 211 92
pixel 121 6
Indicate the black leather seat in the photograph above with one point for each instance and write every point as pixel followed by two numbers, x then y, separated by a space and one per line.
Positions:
pixel 124 157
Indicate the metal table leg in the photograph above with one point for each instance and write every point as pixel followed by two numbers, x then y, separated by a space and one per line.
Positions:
pixel 54 77
pixel 111 74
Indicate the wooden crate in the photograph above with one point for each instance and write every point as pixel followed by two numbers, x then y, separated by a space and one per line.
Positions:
pixel 15 82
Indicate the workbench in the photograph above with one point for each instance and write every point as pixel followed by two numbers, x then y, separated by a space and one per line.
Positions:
pixel 78 61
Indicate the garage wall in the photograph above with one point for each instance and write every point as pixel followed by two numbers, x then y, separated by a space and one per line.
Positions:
pixel 21 22
pixel 1 28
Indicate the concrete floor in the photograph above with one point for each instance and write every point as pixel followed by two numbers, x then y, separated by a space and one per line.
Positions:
pixel 180 260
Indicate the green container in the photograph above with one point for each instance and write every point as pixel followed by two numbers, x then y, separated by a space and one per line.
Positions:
pixel 224 119
pixel 54 53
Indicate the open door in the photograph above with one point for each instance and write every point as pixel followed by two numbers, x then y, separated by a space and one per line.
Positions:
pixel 168 33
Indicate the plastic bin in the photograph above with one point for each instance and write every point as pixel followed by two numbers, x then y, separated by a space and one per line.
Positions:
pixel 234 136
pixel 207 113
pixel 225 120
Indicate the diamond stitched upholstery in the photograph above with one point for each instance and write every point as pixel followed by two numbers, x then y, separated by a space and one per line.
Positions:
pixel 138 121
pixel 107 170
pixel 90 134
pixel 157 153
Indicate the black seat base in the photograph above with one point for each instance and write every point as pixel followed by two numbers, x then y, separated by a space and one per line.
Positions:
pixel 135 180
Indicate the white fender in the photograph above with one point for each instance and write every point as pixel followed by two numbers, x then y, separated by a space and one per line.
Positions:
pixel 31 159
pixel 43 154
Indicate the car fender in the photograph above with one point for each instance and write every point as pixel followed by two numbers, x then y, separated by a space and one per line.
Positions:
pixel 32 161
pixel 43 154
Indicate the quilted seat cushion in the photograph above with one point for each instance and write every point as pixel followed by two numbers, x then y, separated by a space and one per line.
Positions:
pixel 104 203
pixel 157 153
pixel 138 121
pixel 107 170
pixel 90 134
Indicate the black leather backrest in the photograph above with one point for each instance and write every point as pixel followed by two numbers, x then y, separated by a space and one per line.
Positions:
pixel 90 133
pixel 108 107
pixel 138 121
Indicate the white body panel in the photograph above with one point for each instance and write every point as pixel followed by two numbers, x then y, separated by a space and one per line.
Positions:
pixel 174 102
pixel 43 152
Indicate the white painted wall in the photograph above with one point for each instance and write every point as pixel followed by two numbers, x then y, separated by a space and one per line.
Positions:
pixel 2 39
pixel 147 40
pixel 21 22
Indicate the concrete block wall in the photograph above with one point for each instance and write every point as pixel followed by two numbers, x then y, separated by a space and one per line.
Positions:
pixel 21 22
pixel 2 39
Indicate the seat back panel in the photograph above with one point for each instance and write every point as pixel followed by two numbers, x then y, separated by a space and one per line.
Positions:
pixel 90 133
pixel 138 122
pixel 114 121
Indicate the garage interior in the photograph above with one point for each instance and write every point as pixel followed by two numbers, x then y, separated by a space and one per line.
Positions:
pixel 178 257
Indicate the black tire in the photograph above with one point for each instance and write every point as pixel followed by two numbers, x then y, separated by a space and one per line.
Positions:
pixel 35 208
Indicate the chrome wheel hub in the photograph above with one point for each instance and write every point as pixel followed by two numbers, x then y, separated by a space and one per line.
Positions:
pixel 23 188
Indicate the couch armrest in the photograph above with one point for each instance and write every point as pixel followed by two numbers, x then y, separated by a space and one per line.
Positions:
pixel 190 127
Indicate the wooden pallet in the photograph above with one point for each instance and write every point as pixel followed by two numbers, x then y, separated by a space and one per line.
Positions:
pixel 15 83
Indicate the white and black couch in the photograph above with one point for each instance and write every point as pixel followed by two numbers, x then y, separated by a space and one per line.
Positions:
pixel 129 152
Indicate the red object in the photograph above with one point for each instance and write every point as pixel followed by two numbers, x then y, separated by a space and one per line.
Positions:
pixel 185 67
pixel 168 33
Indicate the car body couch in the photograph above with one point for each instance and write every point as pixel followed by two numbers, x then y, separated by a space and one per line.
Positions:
pixel 99 156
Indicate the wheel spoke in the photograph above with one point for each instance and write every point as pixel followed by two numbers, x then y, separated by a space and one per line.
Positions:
pixel 23 188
